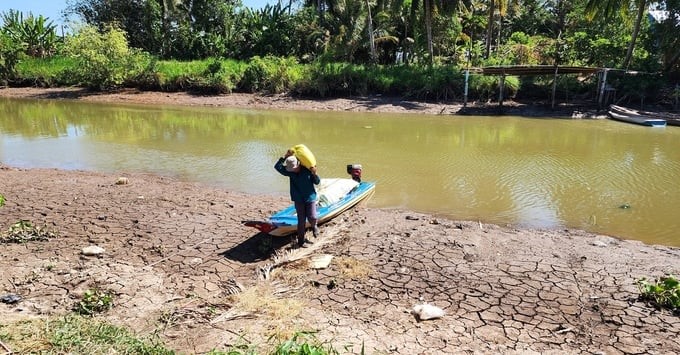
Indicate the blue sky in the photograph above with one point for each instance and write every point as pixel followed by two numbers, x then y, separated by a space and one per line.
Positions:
pixel 53 8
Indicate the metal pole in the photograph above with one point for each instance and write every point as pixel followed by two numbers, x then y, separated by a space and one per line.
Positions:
pixel 467 75
pixel 467 71
pixel 500 94
pixel 554 88
pixel 604 84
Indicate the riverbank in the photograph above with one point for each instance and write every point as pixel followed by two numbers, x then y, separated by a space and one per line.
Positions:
pixel 176 258
pixel 181 265
pixel 378 104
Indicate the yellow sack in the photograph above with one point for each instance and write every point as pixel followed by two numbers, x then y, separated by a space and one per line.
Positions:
pixel 304 155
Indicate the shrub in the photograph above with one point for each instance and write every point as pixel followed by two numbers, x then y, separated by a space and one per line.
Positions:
pixel 485 87
pixel 10 54
pixel 36 33
pixel 304 343
pixel 94 301
pixel 662 292
pixel 24 231
pixel 104 60
pixel 270 75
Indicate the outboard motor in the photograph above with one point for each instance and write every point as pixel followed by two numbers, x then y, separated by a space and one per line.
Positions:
pixel 355 171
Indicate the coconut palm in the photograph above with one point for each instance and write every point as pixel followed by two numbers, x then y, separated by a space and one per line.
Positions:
pixel 610 7
pixel 169 7
pixel 501 7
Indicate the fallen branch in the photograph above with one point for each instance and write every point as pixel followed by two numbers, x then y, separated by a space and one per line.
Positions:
pixel 7 349
pixel 564 330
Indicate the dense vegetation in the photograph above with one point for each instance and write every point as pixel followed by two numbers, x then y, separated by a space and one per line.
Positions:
pixel 409 48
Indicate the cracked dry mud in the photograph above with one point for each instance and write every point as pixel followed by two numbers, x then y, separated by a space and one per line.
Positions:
pixel 176 250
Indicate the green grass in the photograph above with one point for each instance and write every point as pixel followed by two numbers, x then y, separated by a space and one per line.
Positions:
pixel 94 301
pixel 272 75
pixel 45 72
pixel 74 334
pixel 304 343
pixel 173 69
pixel 24 231
pixel 178 75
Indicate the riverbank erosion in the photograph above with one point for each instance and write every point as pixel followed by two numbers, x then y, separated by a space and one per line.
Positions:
pixel 180 264
pixel 377 103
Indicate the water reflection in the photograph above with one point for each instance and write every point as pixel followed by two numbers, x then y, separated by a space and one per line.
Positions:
pixel 544 173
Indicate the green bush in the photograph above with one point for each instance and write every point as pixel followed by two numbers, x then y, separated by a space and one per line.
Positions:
pixel 520 37
pixel 10 54
pixel 94 301
pixel 322 80
pixel 304 343
pixel 445 83
pixel 24 231
pixel 662 292
pixel 212 76
pixel 36 34
pixel 485 87
pixel 271 75
pixel 104 60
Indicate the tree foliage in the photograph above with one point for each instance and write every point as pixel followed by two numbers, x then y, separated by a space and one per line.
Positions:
pixel 579 32
pixel 104 59
pixel 35 33
pixel 10 54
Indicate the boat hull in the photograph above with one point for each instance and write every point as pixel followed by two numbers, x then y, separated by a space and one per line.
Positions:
pixel 624 114
pixel 284 222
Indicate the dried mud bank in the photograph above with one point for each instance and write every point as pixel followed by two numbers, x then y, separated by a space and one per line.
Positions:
pixel 177 258
pixel 378 103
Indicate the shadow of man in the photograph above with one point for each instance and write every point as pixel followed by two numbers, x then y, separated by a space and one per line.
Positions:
pixel 258 247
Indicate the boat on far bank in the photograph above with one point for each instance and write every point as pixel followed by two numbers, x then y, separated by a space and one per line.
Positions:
pixel 629 115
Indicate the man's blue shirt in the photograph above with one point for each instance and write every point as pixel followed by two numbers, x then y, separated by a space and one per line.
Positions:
pixel 301 183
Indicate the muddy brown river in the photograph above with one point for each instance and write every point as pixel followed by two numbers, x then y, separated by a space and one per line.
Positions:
pixel 598 175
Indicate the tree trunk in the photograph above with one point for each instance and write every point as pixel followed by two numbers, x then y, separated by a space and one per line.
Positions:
pixel 414 12
pixel 489 28
pixel 671 63
pixel 371 40
pixel 428 25
pixel 642 6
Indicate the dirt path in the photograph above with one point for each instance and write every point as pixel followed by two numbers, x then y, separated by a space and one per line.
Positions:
pixel 176 253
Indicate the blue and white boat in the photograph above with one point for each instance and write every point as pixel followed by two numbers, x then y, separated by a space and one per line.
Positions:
pixel 335 197
pixel 625 114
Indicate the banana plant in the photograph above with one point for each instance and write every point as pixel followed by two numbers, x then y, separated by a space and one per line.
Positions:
pixel 38 34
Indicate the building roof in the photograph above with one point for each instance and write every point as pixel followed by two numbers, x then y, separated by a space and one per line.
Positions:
pixel 535 70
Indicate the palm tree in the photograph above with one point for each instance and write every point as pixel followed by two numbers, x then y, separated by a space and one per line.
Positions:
pixel 502 7
pixel 169 7
pixel 609 7
pixel 371 41
pixel 428 29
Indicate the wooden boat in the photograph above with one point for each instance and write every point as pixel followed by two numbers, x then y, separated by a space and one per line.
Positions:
pixel 673 122
pixel 625 114
pixel 335 197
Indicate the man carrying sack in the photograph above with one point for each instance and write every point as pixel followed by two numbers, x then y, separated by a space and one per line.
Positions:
pixel 302 193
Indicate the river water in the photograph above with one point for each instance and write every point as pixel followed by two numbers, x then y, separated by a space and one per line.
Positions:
pixel 599 175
